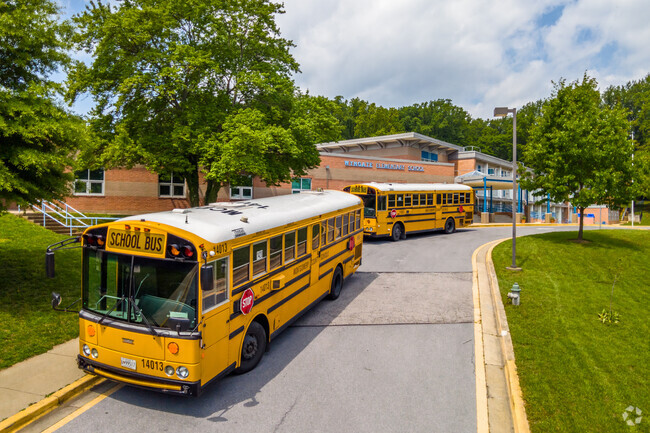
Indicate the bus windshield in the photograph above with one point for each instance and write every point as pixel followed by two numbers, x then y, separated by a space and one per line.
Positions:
pixel 369 205
pixel 128 287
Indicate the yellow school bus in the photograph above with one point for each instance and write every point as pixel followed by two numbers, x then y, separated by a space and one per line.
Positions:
pixel 174 300
pixel 395 209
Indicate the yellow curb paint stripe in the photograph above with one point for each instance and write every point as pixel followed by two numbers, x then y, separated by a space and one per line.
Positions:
pixel 82 409
pixel 517 406
pixel 37 410
pixel 482 424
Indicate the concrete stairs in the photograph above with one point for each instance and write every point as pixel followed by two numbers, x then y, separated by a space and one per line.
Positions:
pixel 50 224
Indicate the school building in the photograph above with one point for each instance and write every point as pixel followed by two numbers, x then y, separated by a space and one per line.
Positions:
pixel 399 158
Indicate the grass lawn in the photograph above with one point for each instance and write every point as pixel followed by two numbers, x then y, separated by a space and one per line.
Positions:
pixel 578 374
pixel 28 325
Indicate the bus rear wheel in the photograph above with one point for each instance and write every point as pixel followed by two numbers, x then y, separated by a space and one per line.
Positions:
pixel 450 226
pixel 398 232
pixel 337 284
pixel 253 348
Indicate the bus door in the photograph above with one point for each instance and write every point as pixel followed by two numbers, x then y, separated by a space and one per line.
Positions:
pixel 315 252
pixel 215 323
pixel 440 218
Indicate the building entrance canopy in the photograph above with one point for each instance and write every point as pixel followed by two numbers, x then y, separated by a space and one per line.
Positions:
pixel 478 180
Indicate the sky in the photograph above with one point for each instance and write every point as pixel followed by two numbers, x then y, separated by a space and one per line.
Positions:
pixel 478 53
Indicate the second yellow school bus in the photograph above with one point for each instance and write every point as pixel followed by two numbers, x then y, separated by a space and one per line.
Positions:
pixel 173 300
pixel 395 209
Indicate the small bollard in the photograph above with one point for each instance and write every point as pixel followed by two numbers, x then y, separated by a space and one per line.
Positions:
pixel 514 294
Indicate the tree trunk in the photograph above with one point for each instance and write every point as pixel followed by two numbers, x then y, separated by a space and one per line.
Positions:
pixel 582 216
pixel 192 180
pixel 211 191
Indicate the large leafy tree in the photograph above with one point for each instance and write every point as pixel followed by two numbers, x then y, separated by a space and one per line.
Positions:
pixel 38 138
pixel 182 85
pixel 438 119
pixel 580 150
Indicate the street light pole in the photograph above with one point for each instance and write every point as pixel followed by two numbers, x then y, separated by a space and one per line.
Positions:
pixel 503 112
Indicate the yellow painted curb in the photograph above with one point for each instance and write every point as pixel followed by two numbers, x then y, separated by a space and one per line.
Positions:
pixel 517 407
pixel 35 411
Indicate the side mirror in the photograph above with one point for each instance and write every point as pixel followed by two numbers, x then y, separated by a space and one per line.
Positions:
pixel 207 278
pixel 49 264
pixel 56 299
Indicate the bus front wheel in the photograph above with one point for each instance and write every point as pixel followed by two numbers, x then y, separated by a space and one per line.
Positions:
pixel 398 232
pixel 253 347
pixel 450 226
pixel 337 284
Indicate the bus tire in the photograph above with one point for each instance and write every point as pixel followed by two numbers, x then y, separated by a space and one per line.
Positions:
pixel 450 226
pixel 337 284
pixel 253 348
pixel 398 232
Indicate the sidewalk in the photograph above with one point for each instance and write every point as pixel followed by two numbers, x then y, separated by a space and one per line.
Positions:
pixel 34 387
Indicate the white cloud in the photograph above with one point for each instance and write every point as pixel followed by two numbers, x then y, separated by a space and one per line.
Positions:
pixel 478 54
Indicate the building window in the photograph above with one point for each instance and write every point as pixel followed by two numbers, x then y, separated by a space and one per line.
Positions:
pixel 89 182
pixel 478 168
pixel 300 184
pixel 170 185
pixel 490 171
pixel 244 191
pixel 429 156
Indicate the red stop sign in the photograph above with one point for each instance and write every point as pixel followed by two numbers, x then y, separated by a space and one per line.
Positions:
pixel 460 209
pixel 393 213
pixel 246 301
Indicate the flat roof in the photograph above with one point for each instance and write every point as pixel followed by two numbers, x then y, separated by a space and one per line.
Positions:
pixel 406 139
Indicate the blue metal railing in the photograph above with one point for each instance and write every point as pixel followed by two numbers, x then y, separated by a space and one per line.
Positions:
pixel 67 216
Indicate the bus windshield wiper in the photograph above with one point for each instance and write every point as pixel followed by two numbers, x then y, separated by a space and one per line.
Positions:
pixel 108 313
pixel 144 319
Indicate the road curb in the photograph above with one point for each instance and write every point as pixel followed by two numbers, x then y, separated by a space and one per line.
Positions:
pixel 517 407
pixel 46 405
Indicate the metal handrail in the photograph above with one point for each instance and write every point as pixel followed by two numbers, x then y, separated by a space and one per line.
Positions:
pixel 66 217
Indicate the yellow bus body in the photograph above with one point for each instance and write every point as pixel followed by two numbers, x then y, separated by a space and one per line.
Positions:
pixel 395 209
pixel 287 272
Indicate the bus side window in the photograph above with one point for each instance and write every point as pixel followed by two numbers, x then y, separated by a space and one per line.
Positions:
pixel 275 254
pixel 468 197
pixel 462 198
pixel 430 199
pixel 219 293
pixel 423 199
pixel 323 232
pixel 302 241
pixel 381 203
pixel 407 200
pixel 399 202
pixel 339 226
pixel 456 198
pixel 289 246
pixel 240 264
pixel 358 219
pixel 352 228
pixel 315 236
pixel 345 224
pixel 444 198
pixel 391 201
pixel 259 258
pixel 330 230
pixel 438 198
pixel 416 200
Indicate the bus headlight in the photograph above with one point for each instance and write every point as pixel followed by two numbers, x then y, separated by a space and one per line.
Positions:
pixel 169 370
pixel 86 350
pixel 182 372
pixel 94 353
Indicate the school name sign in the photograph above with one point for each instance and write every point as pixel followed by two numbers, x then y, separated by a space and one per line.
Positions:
pixel 383 166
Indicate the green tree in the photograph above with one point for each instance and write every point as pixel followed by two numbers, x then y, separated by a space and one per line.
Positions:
pixel 579 150
pixel 375 120
pixel 172 77
pixel 438 119
pixel 38 138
